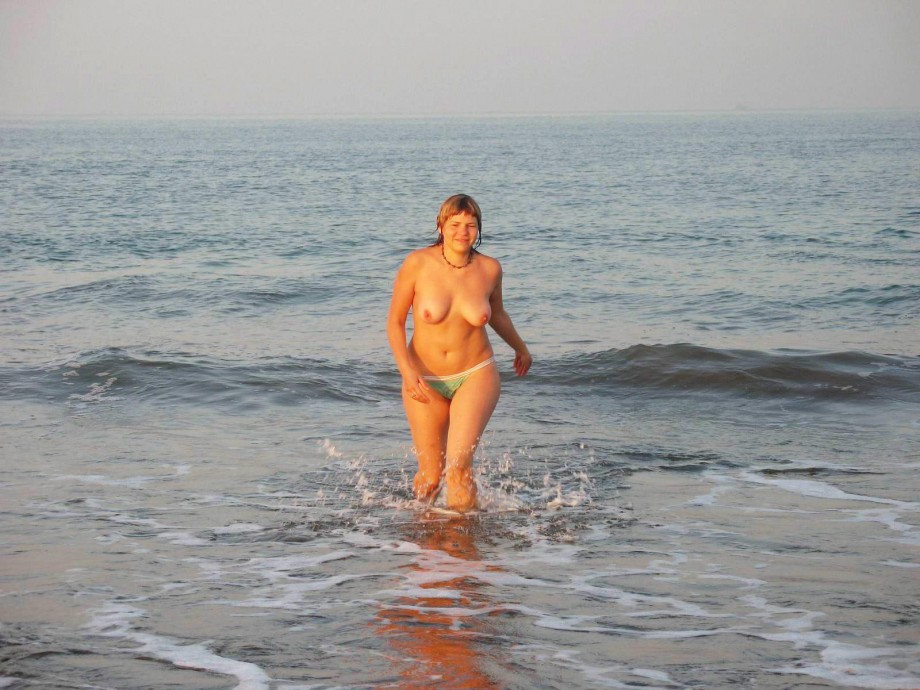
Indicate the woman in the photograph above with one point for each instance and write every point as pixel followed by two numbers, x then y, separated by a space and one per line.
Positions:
pixel 450 382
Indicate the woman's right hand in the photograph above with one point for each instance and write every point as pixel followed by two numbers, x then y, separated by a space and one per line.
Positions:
pixel 415 387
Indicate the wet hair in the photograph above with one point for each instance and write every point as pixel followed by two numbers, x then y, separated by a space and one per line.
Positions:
pixel 455 205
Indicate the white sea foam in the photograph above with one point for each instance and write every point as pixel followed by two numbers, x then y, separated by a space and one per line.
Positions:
pixel 815 489
pixel 503 578
pixel 840 662
pixel 652 674
pixel 291 594
pixel 115 620
pixel 748 582
pixel 654 605
pixel 170 533
pixel 541 550
pixel 432 574
pixel 709 498
pixel 457 612
pixel 125 519
pixel 564 623
pixel 688 634
pixel 239 528
pixel 183 539
pixel 103 480
pixel 287 586
pixel 276 566
pixel 97 392
pixel 843 664
pixel 367 541
pixel 598 676
pixel 901 564
pixel 586 624
pixel 412 592
pixel 669 565
pixel 889 518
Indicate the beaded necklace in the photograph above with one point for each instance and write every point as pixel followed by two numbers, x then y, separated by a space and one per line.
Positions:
pixel 468 261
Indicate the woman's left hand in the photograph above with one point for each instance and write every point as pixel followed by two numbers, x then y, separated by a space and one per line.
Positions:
pixel 522 362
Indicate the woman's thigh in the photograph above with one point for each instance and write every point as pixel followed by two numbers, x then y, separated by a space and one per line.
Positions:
pixel 470 410
pixel 428 423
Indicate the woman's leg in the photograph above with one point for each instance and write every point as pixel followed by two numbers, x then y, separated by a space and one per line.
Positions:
pixel 470 410
pixel 428 423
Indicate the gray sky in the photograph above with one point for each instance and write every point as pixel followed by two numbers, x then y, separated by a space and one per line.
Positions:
pixel 317 57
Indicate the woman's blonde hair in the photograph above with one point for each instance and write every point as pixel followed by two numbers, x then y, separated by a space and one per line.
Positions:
pixel 455 205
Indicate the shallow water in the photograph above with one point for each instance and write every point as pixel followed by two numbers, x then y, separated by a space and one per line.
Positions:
pixel 708 480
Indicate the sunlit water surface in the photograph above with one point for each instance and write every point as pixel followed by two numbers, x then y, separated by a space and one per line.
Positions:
pixel 708 480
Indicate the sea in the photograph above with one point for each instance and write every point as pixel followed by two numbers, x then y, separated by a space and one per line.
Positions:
pixel 709 478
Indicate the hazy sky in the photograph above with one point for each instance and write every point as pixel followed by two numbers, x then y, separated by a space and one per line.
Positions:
pixel 239 57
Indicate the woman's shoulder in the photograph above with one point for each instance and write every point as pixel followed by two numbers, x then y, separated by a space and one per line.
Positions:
pixel 488 262
pixel 418 257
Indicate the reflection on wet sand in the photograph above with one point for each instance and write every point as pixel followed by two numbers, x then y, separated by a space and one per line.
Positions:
pixel 438 631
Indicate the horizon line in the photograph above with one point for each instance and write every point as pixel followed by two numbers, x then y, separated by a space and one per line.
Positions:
pixel 398 115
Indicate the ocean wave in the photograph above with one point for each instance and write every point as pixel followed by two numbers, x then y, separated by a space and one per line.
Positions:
pixel 651 370
pixel 691 369
pixel 870 296
pixel 899 233
pixel 159 377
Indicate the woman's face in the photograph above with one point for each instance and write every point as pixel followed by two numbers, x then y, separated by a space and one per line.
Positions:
pixel 460 232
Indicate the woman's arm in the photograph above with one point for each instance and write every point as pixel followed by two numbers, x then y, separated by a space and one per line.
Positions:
pixel 501 323
pixel 400 303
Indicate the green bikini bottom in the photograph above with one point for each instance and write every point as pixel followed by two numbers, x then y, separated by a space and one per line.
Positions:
pixel 449 385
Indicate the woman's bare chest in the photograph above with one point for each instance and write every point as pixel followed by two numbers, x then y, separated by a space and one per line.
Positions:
pixel 440 301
